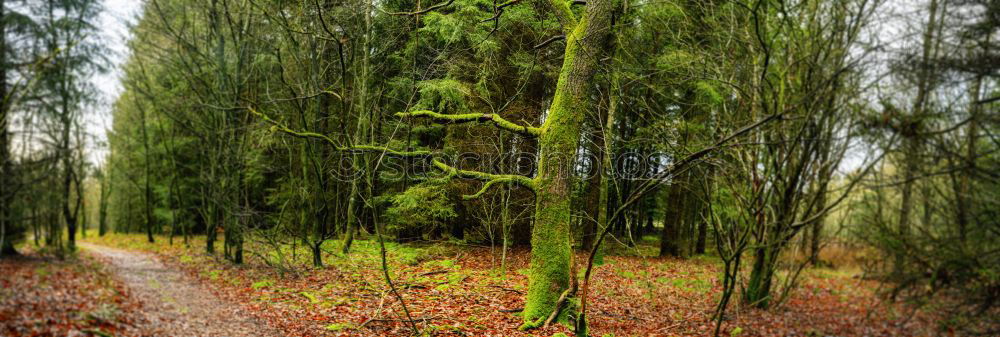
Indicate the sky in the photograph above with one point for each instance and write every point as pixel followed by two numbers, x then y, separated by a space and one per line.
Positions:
pixel 114 23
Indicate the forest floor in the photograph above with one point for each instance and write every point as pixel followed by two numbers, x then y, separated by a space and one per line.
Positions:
pixel 174 303
pixel 452 289
pixel 103 291
pixel 75 296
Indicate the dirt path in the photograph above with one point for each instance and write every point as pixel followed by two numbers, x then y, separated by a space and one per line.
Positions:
pixel 174 304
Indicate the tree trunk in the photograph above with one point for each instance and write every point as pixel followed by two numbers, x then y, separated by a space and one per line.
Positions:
pixel 210 219
pixel 703 219
pixel 220 63
pixel 672 224
pixel 648 227
pixel 699 247
pixel 592 194
pixel 551 253
pixel 351 225
pixel 911 132
pixel 6 244
pixel 758 289
pixel 35 225
pixel 815 238
pixel 68 171
pixel 363 129
pixel 147 189
pixel 964 198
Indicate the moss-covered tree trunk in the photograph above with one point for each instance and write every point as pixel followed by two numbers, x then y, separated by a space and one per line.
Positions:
pixel 550 238
pixel 758 291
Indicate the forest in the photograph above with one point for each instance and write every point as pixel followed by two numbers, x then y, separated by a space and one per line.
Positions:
pixel 500 168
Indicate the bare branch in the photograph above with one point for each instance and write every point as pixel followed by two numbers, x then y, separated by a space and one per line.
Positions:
pixel 354 148
pixel 988 100
pixel 550 40
pixel 422 11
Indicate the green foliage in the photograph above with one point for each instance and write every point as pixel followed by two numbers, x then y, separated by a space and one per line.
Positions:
pixel 423 206
pixel 707 93
pixel 262 284
pixel 441 95
pixel 308 295
pixel 444 27
pixel 340 326
pixel 675 61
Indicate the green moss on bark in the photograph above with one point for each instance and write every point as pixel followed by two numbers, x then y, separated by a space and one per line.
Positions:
pixel 550 257
pixel 551 251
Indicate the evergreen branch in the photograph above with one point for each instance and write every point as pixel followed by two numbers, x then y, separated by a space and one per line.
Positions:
pixel 473 117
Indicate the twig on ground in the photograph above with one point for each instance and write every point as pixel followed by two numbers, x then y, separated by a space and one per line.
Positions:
pixel 434 272
pixel 507 289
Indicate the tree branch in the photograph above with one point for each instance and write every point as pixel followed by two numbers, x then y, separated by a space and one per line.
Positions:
pixel 354 148
pixel 550 40
pixel 490 178
pixel 281 127
pixel 988 100
pixel 508 3
pixel 473 117
pixel 486 186
pixel 562 12
pixel 422 11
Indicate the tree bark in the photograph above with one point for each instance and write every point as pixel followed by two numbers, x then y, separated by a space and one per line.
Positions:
pixel 102 213
pixel 147 188
pixel 592 195
pixel 6 188
pixel 551 253
pixel 670 237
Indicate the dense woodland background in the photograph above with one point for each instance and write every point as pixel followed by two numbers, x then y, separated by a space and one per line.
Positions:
pixel 769 134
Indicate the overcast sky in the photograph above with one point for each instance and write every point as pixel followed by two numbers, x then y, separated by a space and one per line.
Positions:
pixel 114 24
